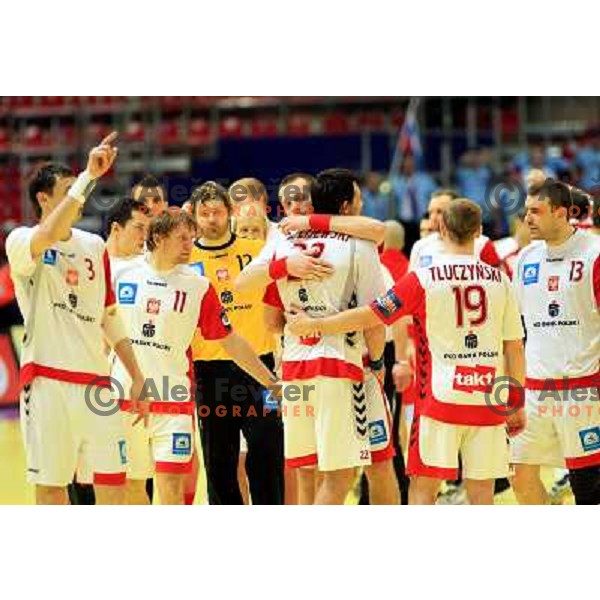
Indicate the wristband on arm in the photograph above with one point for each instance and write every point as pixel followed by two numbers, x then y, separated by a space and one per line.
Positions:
pixel 321 223
pixel 278 269
pixel 82 188
pixel 376 365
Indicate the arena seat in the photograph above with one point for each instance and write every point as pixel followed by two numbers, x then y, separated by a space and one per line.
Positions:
pixel 199 132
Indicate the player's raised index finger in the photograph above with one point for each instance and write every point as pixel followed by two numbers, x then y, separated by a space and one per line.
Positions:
pixel 109 139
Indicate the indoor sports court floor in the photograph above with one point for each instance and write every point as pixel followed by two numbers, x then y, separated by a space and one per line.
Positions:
pixel 15 490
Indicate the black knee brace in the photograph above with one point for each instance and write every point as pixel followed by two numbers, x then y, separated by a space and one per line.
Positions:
pixel 585 484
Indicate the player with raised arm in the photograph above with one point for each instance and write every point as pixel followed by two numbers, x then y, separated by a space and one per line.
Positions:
pixel 164 301
pixel 62 283
pixel 460 360
pixel 558 286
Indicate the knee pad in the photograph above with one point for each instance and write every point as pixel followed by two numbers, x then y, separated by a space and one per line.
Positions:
pixel 585 484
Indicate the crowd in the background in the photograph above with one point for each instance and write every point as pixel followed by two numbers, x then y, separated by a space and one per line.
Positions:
pixel 405 194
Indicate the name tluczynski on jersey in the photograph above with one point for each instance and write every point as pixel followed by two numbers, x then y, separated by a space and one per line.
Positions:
pixel 478 272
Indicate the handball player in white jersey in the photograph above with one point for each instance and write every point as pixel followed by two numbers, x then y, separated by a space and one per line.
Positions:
pixel 468 336
pixel 558 285
pixel 163 302
pixel 63 286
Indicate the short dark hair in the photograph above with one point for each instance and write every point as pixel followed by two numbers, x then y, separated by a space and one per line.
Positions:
pixel 210 190
pixel 331 189
pixel 462 219
pixel 149 182
pixel 44 180
pixel 122 213
pixel 286 181
pixel 581 204
pixel 556 192
pixel 162 225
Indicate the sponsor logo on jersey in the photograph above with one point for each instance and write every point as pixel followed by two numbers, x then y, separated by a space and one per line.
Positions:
pixel 388 304
pixel 153 306
pixel 222 275
pixel 148 329
pixel 198 267
pixel 226 297
pixel 50 257
pixel 554 309
pixel 590 438
pixel 123 451
pixel 182 444
pixel 127 292
pixel 72 277
pixel 531 273
pixel 553 283
pixel 309 341
pixel 73 300
pixel 269 400
pixel 302 295
pixel 425 261
pixel 471 340
pixel 225 319
pixel 377 432
pixel 473 379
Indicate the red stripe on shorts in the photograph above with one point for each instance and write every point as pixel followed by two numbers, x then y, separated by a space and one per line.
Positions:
pixel 310 460
pixel 174 467
pixel 109 478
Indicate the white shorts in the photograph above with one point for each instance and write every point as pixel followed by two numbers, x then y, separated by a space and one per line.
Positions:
pixel 326 425
pixel 165 446
pixel 561 430
pixel 380 420
pixel 434 448
pixel 61 431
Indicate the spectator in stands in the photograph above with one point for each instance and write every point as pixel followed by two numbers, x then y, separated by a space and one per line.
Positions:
pixel 473 177
pixel 411 189
pixel 376 204
pixel 151 193
pixel 587 159
pixel 535 158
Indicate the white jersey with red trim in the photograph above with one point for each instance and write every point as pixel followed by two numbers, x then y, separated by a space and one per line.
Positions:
pixel 357 280
pixel 506 246
pixel 558 288
pixel 161 311
pixel 463 311
pixel 62 296
pixel 428 250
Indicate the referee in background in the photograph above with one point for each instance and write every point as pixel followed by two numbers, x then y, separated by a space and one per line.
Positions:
pixel 220 256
